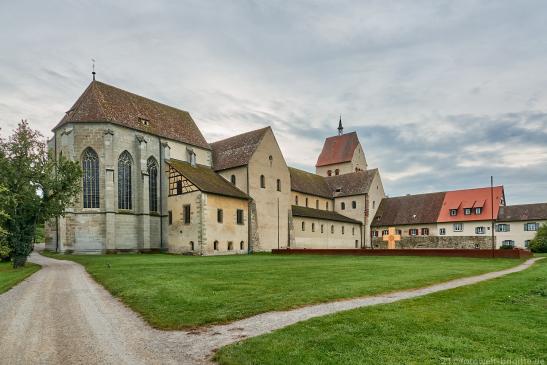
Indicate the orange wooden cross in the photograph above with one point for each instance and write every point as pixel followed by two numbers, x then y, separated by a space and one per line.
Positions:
pixel 391 238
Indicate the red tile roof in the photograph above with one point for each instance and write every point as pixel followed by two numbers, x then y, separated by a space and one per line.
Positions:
pixel 471 198
pixel 104 103
pixel 435 207
pixel 338 149
pixel 237 150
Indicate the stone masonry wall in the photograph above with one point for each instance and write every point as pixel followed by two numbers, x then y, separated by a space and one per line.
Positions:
pixel 438 242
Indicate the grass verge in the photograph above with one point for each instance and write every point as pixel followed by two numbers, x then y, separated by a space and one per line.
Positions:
pixel 9 277
pixel 501 321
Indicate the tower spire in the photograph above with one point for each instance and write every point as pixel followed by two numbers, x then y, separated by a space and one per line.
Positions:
pixel 93 66
pixel 340 128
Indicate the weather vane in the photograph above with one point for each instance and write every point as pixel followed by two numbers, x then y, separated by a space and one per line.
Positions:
pixel 93 66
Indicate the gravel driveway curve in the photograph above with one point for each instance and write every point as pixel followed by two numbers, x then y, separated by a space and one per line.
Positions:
pixel 61 316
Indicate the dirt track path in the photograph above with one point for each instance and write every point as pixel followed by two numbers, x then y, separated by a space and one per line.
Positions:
pixel 61 316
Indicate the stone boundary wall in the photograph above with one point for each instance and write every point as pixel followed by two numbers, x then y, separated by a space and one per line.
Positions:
pixel 470 242
pixel 515 253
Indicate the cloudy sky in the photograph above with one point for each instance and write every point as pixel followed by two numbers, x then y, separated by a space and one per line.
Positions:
pixel 442 94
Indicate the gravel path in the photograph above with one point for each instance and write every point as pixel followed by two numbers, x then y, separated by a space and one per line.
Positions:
pixel 61 316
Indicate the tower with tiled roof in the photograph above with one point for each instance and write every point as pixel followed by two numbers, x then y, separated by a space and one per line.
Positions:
pixel 341 154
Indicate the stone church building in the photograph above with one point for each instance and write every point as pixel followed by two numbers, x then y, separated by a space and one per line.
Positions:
pixel 152 182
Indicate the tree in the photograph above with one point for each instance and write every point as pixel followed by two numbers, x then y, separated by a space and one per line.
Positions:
pixel 39 187
pixel 4 247
pixel 539 243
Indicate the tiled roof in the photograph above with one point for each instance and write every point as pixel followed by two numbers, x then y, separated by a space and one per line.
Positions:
pixel 308 183
pixel 104 103
pixel 524 212
pixel 321 214
pixel 471 198
pixel 354 183
pixel 338 149
pixel 410 209
pixel 237 150
pixel 206 179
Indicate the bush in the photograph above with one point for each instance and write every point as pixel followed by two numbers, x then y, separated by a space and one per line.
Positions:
pixel 539 243
pixel 506 246
pixel 5 250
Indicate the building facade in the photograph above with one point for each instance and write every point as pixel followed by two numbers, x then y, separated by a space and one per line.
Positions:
pixel 457 219
pixel 152 182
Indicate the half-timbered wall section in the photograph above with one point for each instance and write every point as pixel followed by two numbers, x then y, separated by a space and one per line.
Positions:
pixel 178 184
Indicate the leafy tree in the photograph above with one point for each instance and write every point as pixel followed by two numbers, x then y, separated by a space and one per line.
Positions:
pixel 39 187
pixel 539 243
pixel 4 248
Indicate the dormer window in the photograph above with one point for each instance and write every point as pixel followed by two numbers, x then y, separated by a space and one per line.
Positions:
pixel 478 211
pixel 467 211
pixel 453 212
pixel 144 122
pixel 191 156
pixel 338 190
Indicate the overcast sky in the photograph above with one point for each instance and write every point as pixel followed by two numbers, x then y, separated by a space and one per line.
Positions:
pixel 442 94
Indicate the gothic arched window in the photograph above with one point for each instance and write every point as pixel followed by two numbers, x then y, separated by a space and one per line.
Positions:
pixel 90 167
pixel 124 181
pixel 152 184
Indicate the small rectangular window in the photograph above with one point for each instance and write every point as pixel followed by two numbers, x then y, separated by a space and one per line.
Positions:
pixel 503 227
pixel 442 231
pixel 170 217
pixel 239 216
pixel 467 211
pixel 220 215
pixel 186 209
pixel 179 187
pixel 278 185
pixel 530 227
pixel 458 227
pixel 480 230
pixel 425 231
pixel 413 232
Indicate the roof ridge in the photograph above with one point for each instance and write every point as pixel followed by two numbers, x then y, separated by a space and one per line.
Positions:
pixel 241 134
pixel 99 83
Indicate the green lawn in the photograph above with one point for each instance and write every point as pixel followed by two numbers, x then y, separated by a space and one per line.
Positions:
pixel 9 276
pixel 503 321
pixel 173 291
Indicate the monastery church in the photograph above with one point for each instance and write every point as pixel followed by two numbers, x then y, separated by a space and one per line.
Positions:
pixel 152 182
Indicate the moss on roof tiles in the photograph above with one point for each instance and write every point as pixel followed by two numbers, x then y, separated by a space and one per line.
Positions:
pixel 321 214
pixel 206 179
